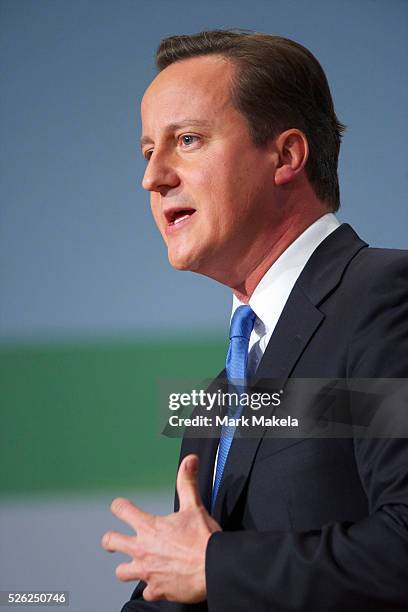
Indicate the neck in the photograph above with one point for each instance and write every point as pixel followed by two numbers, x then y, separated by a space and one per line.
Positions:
pixel 287 233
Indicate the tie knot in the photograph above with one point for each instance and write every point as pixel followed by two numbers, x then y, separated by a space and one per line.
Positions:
pixel 242 322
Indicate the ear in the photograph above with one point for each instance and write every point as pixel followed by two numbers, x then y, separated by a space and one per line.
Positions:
pixel 293 151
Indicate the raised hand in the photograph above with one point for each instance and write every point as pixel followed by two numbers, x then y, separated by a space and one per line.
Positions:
pixel 167 552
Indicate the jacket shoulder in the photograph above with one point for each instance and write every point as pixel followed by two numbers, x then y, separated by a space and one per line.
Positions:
pixel 374 266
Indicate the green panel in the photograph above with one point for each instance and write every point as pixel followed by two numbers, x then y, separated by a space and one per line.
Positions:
pixel 85 417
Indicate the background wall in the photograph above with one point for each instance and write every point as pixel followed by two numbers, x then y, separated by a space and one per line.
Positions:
pixel 91 314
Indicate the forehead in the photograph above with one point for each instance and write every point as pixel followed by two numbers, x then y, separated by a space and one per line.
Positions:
pixel 195 86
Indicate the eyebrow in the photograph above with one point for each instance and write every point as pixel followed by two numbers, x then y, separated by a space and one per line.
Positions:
pixel 171 127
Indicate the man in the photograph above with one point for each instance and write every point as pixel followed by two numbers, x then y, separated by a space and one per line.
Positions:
pixel 242 142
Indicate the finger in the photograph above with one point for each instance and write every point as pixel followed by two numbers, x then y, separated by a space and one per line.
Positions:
pixel 117 542
pixel 150 594
pixel 128 571
pixel 187 483
pixel 124 510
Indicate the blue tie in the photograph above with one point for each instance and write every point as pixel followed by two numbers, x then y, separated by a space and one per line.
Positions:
pixel 242 324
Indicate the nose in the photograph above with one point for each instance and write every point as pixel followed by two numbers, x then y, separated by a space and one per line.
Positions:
pixel 160 175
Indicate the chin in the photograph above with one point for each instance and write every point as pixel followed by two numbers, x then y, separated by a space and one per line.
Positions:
pixel 187 262
pixel 179 262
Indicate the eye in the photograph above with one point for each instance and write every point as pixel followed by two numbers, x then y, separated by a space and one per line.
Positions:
pixel 188 139
pixel 147 154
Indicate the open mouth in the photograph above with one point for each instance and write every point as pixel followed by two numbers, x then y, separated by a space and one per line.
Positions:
pixel 178 215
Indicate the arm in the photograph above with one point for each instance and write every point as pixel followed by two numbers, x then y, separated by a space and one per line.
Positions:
pixel 361 566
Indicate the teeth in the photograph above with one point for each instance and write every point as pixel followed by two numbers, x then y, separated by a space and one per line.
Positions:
pixel 180 219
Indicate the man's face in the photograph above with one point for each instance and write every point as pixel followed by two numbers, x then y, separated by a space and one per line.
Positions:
pixel 211 189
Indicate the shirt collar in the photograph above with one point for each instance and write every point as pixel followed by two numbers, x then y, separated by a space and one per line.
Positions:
pixel 271 293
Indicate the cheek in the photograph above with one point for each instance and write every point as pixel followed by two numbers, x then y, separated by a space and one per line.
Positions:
pixel 155 206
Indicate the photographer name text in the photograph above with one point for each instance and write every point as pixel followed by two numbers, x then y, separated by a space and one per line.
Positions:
pixel 253 420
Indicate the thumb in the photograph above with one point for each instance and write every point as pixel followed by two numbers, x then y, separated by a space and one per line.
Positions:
pixel 187 483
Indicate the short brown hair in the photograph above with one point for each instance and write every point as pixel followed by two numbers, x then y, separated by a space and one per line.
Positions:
pixel 279 85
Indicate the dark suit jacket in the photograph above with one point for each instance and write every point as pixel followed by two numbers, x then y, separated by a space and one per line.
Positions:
pixel 317 525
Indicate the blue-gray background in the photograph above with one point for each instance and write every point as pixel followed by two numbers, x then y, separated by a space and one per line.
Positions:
pixel 79 251
pixel 80 257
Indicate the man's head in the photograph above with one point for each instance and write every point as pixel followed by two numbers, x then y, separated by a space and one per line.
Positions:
pixel 237 127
